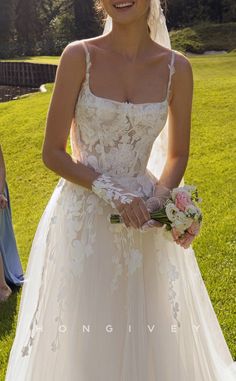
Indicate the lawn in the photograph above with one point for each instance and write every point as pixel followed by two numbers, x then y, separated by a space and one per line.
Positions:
pixel 211 167
pixel 52 60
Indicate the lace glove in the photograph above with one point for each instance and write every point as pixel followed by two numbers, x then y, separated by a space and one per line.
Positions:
pixel 109 190
pixel 160 195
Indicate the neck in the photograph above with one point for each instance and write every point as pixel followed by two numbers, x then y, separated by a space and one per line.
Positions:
pixel 130 40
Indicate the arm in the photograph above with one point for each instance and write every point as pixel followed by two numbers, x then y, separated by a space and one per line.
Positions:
pixel 69 77
pixel 180 108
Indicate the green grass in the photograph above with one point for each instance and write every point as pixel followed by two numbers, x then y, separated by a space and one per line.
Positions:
pixel 53 60
pixel 210 167
pixel 205 36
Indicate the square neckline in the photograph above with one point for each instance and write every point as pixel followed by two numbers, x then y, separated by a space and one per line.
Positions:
pixel 105 99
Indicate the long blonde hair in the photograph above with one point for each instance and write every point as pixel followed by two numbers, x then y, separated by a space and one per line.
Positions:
pixel 100 10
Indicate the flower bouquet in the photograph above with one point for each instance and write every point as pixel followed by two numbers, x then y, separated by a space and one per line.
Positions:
pixel 180 215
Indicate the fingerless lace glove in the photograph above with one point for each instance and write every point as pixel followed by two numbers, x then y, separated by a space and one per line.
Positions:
pixel 105 187
pixel 160 195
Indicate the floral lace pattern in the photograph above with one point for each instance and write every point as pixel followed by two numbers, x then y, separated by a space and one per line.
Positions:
pixel 116 137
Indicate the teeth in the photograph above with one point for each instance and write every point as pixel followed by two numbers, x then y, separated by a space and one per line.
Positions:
pixel 123 5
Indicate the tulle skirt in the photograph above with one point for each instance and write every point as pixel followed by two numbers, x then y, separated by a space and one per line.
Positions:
pixel 102 302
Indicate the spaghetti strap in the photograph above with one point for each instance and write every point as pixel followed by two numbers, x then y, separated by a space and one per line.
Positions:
pixel 87 55
pixel 172 71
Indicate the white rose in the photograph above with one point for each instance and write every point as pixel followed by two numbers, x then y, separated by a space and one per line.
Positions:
pixel 171 211
pixel 191 210
pixel 189 189
pixel 182 222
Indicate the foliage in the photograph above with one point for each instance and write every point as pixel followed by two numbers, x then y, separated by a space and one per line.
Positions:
pixel 205 36
pixel 45 27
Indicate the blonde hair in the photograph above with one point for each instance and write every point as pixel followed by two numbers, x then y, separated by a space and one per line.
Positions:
pixel 100 10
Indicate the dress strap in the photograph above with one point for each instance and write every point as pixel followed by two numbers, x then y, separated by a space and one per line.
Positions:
pixel 172 71
pixel 87 55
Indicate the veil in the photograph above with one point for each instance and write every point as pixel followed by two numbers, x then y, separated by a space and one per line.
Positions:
pixel 159 33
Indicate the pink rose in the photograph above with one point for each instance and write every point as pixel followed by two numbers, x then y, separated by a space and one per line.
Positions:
pixel 182 200
pixel 194 228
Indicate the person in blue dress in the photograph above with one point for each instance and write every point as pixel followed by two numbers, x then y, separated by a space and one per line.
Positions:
pixel 11 273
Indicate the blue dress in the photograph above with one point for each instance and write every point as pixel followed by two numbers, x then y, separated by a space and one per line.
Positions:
pixel 8 249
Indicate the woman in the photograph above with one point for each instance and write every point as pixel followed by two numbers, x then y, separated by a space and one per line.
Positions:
pixel 11 273
pixel 111 302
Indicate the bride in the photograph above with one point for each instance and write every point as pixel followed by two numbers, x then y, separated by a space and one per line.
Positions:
pixel 106 301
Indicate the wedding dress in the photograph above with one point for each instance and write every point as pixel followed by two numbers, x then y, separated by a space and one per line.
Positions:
pixel 103 302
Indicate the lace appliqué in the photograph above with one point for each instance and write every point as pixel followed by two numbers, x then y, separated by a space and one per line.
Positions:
pixel 81 244
pixel 108 190
pixel 169 269
pixel 128 255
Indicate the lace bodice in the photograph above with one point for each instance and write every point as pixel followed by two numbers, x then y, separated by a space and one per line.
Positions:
pixel 116 137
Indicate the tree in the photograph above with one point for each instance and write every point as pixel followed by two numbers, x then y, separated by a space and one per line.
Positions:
pixel 87 23
pixel 27 26
pixel 7 10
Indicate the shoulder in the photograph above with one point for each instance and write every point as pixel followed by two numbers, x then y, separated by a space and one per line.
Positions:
pixel 183 67
pixel 72 61
pixel 73 52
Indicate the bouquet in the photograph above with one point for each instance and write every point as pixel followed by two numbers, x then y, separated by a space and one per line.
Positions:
pixel 180 215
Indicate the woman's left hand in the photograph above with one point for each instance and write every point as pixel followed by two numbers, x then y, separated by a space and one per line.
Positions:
pixel 153 204
pixel 3 201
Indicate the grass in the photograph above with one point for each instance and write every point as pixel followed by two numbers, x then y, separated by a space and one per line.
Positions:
pixel 205 36
pixel 211 168
pixel 52 60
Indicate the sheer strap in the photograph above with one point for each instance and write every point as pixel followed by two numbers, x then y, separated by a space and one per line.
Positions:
pixel 172 71
pixel 87 55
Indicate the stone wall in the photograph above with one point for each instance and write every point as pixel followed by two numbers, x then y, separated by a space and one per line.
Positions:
pixel 26 74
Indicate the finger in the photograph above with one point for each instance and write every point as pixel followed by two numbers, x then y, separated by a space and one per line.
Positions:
pixel 154 223
pixel 144 212
pixel 139 212
pixel 125 218
pixel 132 213
pixel 133 218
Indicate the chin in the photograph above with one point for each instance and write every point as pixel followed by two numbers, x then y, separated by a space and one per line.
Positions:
pixel 126 11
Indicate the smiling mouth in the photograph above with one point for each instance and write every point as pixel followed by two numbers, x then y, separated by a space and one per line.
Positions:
pixel 124 5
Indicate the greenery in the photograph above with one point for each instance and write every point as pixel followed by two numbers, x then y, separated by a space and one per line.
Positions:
pixel 211 168
pixel 205 36
pixel 45 27
pixel 52 60
pixel 196 39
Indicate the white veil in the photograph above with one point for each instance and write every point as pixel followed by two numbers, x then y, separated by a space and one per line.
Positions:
pixel 160 34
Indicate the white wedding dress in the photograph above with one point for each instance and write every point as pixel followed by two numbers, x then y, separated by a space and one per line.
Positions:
pixel 103 302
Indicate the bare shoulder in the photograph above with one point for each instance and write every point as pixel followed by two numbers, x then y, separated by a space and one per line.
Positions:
pixel 183 67
pixel 74 52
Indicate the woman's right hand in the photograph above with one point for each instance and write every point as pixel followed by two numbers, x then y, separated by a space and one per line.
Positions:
pixel 3 201
pixel 134 213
